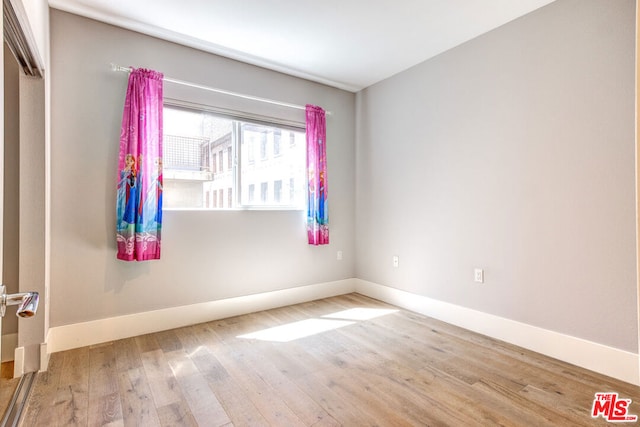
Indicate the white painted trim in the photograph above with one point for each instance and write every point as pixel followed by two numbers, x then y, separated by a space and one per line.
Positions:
pixel 76 335
pixel 637 164
pixel 9 344
pixel 18 363
pixel 44 357
pixel 610 361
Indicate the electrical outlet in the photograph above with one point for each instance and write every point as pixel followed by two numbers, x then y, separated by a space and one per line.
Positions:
pixel 478 275
pixel 339 256
pixel 396 261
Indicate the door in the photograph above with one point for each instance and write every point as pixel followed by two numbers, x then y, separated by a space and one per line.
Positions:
pixel 1 174
pixel 20 58
pixel 9 173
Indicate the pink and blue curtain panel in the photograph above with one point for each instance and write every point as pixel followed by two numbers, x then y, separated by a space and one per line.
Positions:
pixel 139 188
pixel 317 209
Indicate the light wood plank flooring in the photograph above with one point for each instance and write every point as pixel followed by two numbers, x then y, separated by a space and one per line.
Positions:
pixel 8 385
pixel 396 369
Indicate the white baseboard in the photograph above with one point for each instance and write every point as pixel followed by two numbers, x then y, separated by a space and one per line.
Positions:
pixel 44 357
pixel 76 335
pixel 610 361
pixel 9 344
pixel 18 363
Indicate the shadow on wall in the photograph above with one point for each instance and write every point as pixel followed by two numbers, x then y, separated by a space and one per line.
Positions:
pixel 115 279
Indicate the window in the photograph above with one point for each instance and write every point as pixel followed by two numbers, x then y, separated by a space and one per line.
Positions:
pixel 276 143
pixel 264 188
pixel 263 146
pixel 277 191
pixel 195 145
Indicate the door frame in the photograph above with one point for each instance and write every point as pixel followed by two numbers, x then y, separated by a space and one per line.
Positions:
pixel 19 36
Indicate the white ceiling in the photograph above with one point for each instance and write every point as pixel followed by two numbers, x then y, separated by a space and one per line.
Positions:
pixel 349 44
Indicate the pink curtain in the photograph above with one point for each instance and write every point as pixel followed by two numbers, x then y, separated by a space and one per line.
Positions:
pixel 139 188
pixel 317 209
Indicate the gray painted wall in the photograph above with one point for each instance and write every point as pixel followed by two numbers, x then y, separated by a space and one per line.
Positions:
pixel 513 153
pixel 207 255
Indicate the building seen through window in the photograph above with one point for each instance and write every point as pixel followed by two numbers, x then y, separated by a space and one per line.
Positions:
pixel 217 162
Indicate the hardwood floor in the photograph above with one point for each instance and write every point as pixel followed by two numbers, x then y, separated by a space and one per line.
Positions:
pixel 8 385
pixel 396 369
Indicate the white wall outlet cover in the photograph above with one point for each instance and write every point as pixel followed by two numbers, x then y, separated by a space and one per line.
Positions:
pixel 478 275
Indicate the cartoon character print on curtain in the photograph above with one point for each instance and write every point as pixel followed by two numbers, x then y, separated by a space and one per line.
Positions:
pixel 139 188
pixel 317 208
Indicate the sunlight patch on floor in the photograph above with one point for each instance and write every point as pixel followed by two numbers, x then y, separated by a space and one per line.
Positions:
pixel 304 328
pixel 296 330
pixel 360 313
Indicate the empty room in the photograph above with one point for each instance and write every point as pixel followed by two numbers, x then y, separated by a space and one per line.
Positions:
pixel 223 213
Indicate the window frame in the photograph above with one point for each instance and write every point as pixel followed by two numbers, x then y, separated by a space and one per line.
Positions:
pixel 238 118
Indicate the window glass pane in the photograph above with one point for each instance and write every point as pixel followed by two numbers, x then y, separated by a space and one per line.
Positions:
pixel 264 188
pixel 263 146
pixel 252 193
pixel 287 165
pixel 277 191
pixel 276 142
pixel 193 165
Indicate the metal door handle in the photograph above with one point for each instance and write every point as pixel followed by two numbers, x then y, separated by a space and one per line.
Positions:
pixel 27 302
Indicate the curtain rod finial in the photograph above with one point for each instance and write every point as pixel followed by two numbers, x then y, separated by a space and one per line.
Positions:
pixel 116 67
